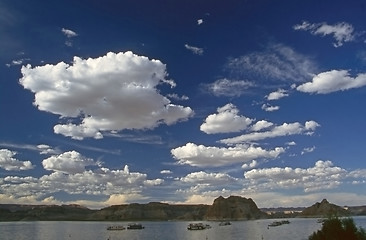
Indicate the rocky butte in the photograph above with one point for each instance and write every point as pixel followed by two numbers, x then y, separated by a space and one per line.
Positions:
pixel 233 208
pixel 323 209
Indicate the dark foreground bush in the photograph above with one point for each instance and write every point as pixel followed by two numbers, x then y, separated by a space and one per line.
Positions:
pixel 339 229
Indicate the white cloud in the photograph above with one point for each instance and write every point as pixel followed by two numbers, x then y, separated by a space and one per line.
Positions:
pixel 253 164
pixel 177 97
pixel 195 50
pixel 17 62
pixel 200 199
pixel 269 108
pixel 212 179
pixel 280 93
pixel 17 179
pixel 9 163
pixel 277 62
pixel 227 87
pixel 262 124
pixel 78 132
pixel 113 92
pixel 225 121
pixel 322 176
pixel 203 156
pixel 276 199
pixel 285 129
pixel 332 81
pixel 308 150
pixel 138 138
pixel 41 148
pixel 292 143
pixel 358 173
pixel 154 182
pixel 199 21
pixel 70 176
pixel 166 171
pixel 341 32
pixel 117 199
pixel 69 162
pixel 69 33
pixel 46 149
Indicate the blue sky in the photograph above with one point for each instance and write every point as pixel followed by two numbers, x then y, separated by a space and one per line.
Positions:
pixel 111 102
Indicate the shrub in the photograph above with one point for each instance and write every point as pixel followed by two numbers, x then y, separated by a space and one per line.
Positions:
pixel 339 229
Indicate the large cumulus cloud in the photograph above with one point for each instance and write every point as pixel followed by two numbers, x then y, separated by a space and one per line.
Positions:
pixel 113 92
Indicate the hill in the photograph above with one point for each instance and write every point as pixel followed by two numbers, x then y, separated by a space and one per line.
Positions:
pixel 232 208
pixel 323 209
pixel 153 211
pixel 14 212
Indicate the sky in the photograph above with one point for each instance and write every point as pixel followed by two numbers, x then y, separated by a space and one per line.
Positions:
pixel 135 101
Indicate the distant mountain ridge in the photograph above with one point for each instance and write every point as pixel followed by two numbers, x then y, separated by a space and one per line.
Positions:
pixel 231 208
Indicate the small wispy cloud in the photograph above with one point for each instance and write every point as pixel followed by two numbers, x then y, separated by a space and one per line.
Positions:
pixel 177 97
pixel 229 87
pixel 194 50
pixel 137 138
pixel 269 108
pixel 41 148
pixel 277 62
pixel 69 34
pixel 342 32
pixel 308 150
pixel 17 62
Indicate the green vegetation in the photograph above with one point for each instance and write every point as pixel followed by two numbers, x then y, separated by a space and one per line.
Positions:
pixel 339 229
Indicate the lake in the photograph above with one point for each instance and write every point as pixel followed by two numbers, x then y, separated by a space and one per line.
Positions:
pixel 299 228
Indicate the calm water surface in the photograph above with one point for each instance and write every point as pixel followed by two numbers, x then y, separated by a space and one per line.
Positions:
pixel 251 230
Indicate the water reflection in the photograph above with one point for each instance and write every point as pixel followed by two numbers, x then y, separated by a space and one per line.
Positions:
pixel 251 230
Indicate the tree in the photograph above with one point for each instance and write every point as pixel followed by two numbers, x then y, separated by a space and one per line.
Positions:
pixel 339 229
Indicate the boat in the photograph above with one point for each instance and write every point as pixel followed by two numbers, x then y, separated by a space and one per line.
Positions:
pixel 224 223
pixel 118 227
pixel 135 226
pixel 278 223
pixel 198 226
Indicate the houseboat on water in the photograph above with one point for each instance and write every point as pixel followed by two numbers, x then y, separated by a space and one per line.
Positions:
pixel 135 226
pixel 198 226
pixel 111 228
